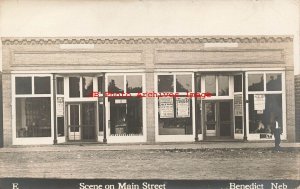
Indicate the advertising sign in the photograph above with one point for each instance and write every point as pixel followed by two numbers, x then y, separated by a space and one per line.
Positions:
pixel 166 107
pixel 60 107
pixel 238 105
pixel 259 102
pixel 182 107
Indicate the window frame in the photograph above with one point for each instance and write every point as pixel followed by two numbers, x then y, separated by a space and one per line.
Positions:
pixel 120 139
pixel 30 140
pixel 170 138
pixel 256 136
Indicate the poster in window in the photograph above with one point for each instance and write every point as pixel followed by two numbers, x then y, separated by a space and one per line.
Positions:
pixel 259 102
pixel 238 105
pixel 60 107
pixel 166 108
pixel 182 107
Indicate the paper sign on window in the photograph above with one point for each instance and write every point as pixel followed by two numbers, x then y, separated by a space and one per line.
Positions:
pixel 182 107
pixel 60 107
pixel 166 107
pixel 238 105
pixel 259 102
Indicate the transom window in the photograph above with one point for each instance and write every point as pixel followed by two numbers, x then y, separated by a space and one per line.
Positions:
pixel 217 85
pixel 32 85
pixel 125 83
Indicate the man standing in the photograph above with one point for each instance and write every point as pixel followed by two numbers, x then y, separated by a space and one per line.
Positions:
pixel 277 132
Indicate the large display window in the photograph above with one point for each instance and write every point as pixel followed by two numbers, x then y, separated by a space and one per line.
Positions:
pixel 175 114
pixel 125 110
pixel 265 104
pixel 32 108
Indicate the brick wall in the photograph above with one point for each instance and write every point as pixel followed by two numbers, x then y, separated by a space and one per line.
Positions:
pixel 148 54
pixel 1 115
pixel 297 106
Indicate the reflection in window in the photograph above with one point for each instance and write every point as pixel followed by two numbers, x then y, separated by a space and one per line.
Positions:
pixel 183 83
pixel 263 121
pixel 74 86
pixel 126 117
pixel 210 84
pixel 134 83
pixel 23 85
pixel 33 117
pixel 179 123
pixel 223 85
pixel 60 85
pixel 165 83
pixel 116 84
pixel 273 82
pixel 255 82
pixel 238 83
pixel 87 86
pixel 42 85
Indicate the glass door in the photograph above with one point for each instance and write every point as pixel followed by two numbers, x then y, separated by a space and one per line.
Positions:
pixel 210 118
pixel 81 121
pixel 74 122
pixel 218 119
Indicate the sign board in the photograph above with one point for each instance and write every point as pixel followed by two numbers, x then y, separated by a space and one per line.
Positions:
pixel 60 106
pixel 238 105
pixel 259 102
pixel 182 107
pixel 166 107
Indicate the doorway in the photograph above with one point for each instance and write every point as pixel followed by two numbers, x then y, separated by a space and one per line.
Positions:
pixel 81 122
pixel 218 119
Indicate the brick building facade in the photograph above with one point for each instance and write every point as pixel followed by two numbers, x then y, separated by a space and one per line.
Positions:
pixel 48 82
pixel 297 106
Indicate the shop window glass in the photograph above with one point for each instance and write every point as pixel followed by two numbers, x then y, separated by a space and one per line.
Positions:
pixel 223 85
pixel 183 83
pixel 23 85
pixel 134 83
pixel 33 117
pixel 60 126
pixel 175 116
pixel 88 121
pixel 165 83
pixel 198 84
pixel 74 118
pixel 263 121
pixel 87 86
pixel 42 85
pixel 100 84
pixel 210 84
pixel 126 117
pixel 273 82
pixel 100 116
pixel 238 83
pixel 60 85
pixel 74 86
pixel 116 84
pixel 238 121
pixel 255 82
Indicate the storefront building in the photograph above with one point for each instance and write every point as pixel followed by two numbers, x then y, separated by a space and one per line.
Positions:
pixel 147 89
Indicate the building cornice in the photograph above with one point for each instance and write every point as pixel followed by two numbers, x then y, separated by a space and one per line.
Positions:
pixel 145 40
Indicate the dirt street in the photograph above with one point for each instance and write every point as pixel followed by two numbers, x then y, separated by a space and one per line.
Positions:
pixel 261 163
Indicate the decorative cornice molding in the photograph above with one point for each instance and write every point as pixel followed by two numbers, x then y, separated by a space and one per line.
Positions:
pixel 146 40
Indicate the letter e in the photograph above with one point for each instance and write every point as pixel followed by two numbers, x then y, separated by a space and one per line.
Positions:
pixel 15 185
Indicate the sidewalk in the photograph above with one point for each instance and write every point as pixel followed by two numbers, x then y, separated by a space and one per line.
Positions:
pixel 145 146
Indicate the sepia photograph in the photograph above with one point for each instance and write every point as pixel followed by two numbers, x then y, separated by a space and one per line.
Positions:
pixel 150 94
